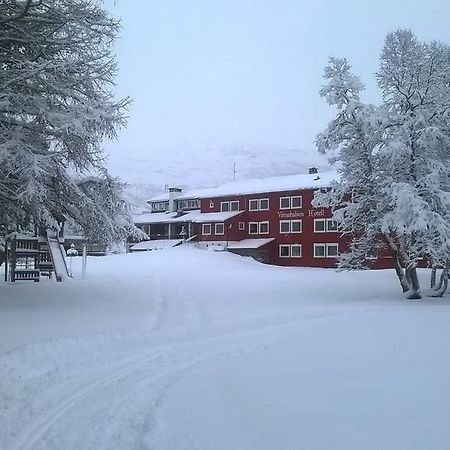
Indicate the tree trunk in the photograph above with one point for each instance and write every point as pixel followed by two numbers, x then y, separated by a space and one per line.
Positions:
pixel 433 277
pixel 440 289
pixel 413 279
pixel 397 265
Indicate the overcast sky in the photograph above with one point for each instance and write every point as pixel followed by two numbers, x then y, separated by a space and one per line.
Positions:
pixel 228 73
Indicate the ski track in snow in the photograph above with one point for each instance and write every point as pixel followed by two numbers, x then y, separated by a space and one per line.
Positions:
pixel 120 404
pixel 112 386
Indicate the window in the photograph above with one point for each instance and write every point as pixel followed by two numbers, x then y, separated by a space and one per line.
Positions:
pixel 319 226
pixel 189 204
pixel 285 226
pixel 290 251
pixel 263 227
pixel 326 250
pixel 332 250
pixel 319 250
pixel 258 228
pixel 219 228
pixel 253 205
pixel 290 226
pixel 285 202
pixel 229 206
pixel 296 226
pixel 264 204
pixel 296 251
pixel 206 228
pixel 253 228
pixel 160 206
pixel 258 204
pixel 331 225
pixel 293 202
pixel 241 226
pixel 325 225
pixel 296 202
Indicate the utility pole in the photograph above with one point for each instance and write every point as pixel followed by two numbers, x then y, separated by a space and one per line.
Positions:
pixel 234 171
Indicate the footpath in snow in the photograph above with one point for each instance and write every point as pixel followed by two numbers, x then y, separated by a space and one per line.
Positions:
pixel 189 349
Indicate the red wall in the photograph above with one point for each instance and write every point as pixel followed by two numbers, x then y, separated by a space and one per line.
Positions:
pixel 306 238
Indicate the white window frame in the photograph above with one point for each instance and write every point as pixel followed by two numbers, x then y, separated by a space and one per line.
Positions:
pixel 284 198
pixel 301 226
pixel 289 226
pixel 301 202
pixel 222 204
pixel 250 225
pixel 324 250
pixel 300 247
pixel 204 227
pixel 329 229
pixel 284 246
pixel 290 229
pixel 326 246
pixel 223 228
pixel 334 244
pixel 268 204
pixel 316 221
pixel 260 226
pixel 289 248
pixel 234 202
pixel 255 202
pixel 241 226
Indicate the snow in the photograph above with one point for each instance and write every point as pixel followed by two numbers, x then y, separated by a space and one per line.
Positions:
pixel 189 349
pixel 259 186
pixel 149 217
pixel 213 217
pixel 156 244
pixel 195 216
pixel 249 243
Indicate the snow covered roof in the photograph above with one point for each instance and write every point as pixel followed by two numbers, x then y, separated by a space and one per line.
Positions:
pixel 192 216
pixel 257 186
pixel 149 217
pixel 249 243
pixel 213 217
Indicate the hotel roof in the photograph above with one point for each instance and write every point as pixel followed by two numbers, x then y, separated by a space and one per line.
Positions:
pixel 258 186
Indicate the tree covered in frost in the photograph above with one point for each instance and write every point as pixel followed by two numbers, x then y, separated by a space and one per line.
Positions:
pixel 394 188
pixel 56 107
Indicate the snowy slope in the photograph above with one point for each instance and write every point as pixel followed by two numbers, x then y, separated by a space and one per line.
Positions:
pixel 148 174
pixel 190 349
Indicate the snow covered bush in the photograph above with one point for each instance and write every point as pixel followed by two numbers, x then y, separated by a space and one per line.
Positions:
pixel 56 108
pixel 394 190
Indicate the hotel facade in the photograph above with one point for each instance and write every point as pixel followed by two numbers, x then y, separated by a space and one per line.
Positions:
pixel 272 220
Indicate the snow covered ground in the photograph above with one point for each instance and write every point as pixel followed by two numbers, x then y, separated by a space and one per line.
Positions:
pixel 190 349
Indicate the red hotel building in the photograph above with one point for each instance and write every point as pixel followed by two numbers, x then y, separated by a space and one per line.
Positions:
pixel 270 219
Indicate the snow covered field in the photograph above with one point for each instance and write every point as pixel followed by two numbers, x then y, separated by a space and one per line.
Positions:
pixel 190 349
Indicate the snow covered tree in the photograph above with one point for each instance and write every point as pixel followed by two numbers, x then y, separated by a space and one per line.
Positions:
pixel 56 108
pixel 394 190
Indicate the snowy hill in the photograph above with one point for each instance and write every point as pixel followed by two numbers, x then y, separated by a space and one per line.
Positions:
pixel 148 174
pixel 145 354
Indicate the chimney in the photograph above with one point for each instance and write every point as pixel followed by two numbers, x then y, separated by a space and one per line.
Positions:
pixel 173 194
pixel 312 170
